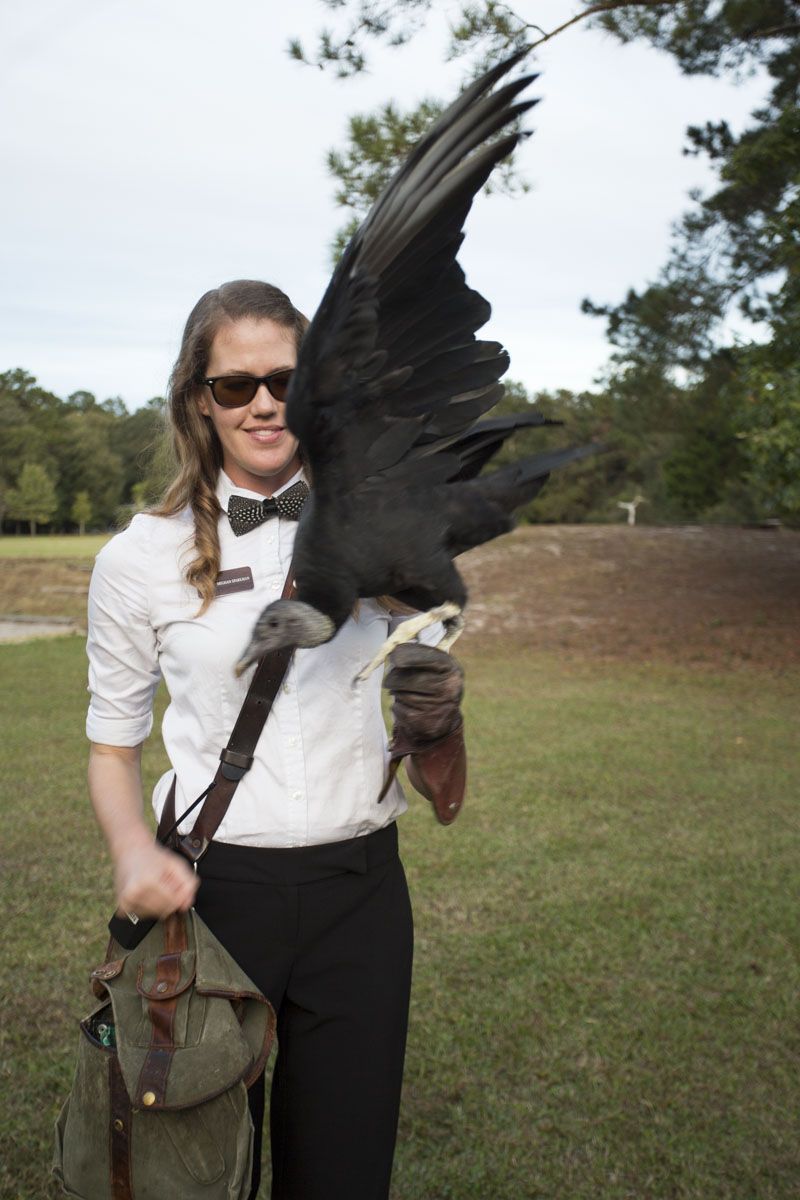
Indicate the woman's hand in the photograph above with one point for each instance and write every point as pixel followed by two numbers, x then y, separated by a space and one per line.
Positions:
pixel 151 881
pixel 426 686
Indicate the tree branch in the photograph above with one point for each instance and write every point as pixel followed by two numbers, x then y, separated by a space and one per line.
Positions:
pixel 518 18
pixel 776 31
pixel 374 20
pixel 605 6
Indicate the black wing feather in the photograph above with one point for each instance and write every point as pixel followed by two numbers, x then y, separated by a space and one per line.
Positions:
pixel 390 370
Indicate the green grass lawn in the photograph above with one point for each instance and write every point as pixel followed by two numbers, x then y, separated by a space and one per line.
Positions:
pixel 45 545
pixel 606 970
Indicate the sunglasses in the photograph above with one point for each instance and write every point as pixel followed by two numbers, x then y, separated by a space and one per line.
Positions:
pixel 234 391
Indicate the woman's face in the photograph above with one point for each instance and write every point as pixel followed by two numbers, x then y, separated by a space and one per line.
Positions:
pixel 259 452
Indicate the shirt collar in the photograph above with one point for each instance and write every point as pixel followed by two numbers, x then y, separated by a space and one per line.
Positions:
pixel 226 488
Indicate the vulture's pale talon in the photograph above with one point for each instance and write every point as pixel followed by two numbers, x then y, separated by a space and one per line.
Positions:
pixel 450 616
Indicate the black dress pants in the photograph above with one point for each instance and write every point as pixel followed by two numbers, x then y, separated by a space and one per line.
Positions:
pixel 326 933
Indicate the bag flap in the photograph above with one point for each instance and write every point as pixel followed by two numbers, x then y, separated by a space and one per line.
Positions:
pixel 198 1035
pixel 151 987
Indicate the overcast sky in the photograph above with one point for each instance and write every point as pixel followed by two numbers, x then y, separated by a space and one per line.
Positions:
pixel 155 148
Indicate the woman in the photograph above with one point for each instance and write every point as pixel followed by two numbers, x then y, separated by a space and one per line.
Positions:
pixel 302 882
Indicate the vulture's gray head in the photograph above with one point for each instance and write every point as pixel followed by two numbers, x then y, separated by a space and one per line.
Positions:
pixel 286 623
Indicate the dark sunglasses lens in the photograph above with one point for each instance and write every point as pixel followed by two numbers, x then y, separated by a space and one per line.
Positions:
pixel 279 384
pixel 235 390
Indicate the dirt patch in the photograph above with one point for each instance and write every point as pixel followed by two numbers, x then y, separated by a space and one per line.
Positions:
pixel 45 587
pixel 715 596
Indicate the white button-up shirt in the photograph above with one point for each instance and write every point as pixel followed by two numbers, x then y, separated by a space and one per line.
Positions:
pixel 321 759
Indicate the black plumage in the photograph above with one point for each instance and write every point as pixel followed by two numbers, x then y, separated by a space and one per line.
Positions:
pixel 389 385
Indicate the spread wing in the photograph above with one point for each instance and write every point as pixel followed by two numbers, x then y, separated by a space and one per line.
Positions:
pixel 390 372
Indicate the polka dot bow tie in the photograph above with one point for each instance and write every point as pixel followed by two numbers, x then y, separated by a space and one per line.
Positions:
pixel 245 514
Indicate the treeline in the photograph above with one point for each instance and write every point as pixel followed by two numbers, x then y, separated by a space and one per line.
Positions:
pixel 714 451
pixel 75 464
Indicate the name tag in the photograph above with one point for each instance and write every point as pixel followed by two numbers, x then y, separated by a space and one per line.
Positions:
pixel 240 579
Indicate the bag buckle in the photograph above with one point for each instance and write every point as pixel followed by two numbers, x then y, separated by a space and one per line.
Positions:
pixel 235 765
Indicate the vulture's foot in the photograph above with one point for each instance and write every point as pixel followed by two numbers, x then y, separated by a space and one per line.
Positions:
pixel 450 616
pixel 453 629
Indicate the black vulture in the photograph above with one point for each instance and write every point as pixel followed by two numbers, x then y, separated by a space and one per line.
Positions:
pixel 389 385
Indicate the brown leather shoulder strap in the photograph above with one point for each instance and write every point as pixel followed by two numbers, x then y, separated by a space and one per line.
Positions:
pixel 237 757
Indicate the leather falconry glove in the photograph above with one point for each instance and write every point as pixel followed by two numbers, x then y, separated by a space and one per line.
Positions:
pixel 426 687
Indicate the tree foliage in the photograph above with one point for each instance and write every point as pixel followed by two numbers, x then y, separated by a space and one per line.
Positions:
pixel 737 249
pixel 34 498
pixel 100 449
pixel 769 426
pixel 81 511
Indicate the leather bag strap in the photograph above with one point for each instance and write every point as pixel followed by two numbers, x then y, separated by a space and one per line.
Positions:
pixel 151 1088
pixel 119 1133
pixel 235 761
pixel 237 757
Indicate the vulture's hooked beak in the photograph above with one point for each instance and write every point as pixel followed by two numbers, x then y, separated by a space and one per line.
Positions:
pixel 251 655
pixel 282 624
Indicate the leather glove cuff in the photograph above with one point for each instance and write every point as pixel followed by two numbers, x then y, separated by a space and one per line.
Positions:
pixel 440 772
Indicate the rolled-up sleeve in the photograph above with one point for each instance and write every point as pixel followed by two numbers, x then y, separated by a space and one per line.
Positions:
pixel 121 643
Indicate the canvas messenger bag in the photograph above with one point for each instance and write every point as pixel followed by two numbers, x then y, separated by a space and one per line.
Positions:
pixel 158 1105
pixel 159 1101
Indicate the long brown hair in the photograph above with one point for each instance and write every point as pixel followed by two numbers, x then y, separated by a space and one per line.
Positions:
pixel 195 444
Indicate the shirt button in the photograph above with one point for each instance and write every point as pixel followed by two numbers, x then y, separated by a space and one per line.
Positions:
pixel 292 741
pixel 297 795
pixel 274 587
pixel 287 687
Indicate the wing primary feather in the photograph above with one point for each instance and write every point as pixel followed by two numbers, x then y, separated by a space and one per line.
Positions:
pixel 460 184
pixel 456 147
pixel 462 103
pixel 390 370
